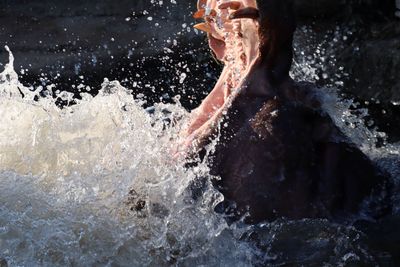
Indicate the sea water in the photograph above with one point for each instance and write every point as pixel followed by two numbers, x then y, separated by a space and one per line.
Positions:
pixel 95 184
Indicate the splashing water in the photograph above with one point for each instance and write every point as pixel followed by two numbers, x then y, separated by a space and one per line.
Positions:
pixel 93 185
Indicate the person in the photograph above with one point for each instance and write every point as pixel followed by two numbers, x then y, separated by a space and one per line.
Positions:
pixel 235 43
pixel 278 153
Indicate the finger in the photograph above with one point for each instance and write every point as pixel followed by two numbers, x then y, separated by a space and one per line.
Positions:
pixel 199 14
pixel 205 13
pixel 235 5
pixel 210 12
pixel 203 27
pixel 245 13
pixel 201 4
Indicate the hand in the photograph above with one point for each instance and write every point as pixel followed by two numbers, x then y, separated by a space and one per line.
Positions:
pixel 185 147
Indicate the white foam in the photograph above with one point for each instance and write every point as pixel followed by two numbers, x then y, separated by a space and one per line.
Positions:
pixel 65 175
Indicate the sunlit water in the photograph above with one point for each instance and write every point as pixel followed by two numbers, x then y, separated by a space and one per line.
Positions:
pixel 94 184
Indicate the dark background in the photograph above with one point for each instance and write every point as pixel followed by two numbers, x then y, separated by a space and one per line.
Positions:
pixel 152 49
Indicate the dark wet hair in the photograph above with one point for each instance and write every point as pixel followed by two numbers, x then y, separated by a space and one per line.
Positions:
pixel 277 27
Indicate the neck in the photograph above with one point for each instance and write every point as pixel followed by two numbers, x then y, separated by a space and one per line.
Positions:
pixel 277 26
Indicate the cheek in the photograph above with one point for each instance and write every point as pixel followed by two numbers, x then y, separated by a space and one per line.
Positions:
pixel 251 41
pixel 217 46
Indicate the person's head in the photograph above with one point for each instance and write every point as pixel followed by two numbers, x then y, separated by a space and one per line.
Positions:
pixel 266 30
pixel 221 29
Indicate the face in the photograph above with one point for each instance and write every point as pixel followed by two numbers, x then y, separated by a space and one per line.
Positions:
pixel 229 36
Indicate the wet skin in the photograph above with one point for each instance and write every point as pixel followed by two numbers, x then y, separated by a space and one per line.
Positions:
pixel 279 154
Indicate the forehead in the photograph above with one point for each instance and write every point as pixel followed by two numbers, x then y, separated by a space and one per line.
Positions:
pixel 214 3
pixel 249 3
